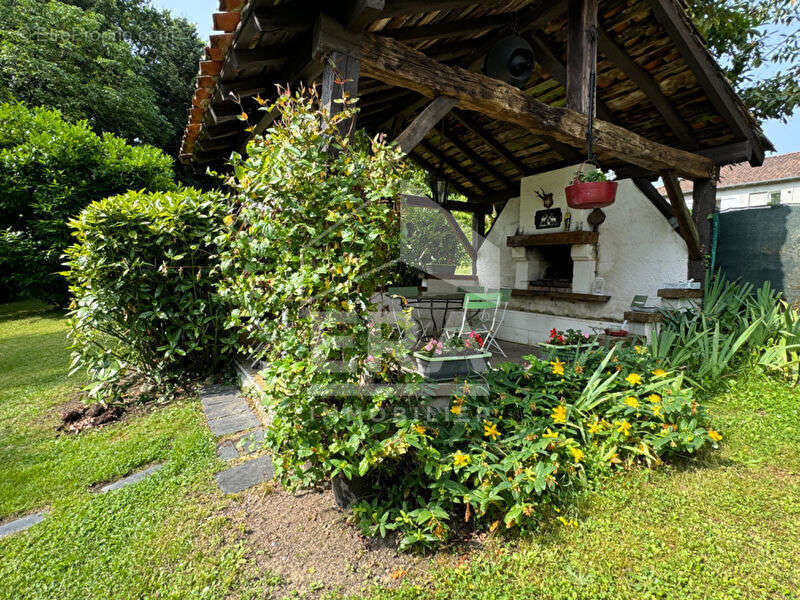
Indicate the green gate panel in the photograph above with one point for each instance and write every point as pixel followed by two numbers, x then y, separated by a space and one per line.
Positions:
pixel 762 244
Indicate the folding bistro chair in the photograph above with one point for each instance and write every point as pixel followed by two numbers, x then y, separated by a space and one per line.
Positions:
pixel 403 293
pixel 492 307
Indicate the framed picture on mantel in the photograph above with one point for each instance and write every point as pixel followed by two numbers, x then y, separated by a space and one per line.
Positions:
pixel 550 218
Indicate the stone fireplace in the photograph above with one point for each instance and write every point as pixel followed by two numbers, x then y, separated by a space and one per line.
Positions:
pixel 564 261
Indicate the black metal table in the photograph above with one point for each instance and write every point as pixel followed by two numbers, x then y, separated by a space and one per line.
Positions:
pixel 436 302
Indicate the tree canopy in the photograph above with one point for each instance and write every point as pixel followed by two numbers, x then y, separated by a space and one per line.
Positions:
pixel 122 65
pixel 758 44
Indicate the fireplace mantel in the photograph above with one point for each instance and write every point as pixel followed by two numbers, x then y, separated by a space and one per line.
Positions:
pixel 564 238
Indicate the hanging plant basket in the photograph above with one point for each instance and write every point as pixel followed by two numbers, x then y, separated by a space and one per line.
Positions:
pixel 590 194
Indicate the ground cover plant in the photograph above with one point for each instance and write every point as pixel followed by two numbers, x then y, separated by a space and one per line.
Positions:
pixel 144 276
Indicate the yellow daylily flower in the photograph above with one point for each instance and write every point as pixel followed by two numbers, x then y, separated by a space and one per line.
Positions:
pixel 549 434
pixel 634 379
pixel 456 409
pixel 656 408
pixel 632 402
pixel 577 454
pixel 624 428
pixel 419 429
pixel 490 430
pixel 640 350
pixel 654 398
pixel 558 367
pixel 659 373
pixel 560 414
pixel 460 459
pixel 595 428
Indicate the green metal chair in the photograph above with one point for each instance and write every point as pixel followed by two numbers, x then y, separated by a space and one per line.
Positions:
pixel 492 306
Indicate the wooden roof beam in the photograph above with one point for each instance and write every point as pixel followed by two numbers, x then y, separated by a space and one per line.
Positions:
pixel 445 29
pixel 455 167
pixel 477 160
pixel 397 64
pixel 475 128
pixel 359 14
pixel 402 8
pixel 674 20
pixel 424 123
pixel 617 55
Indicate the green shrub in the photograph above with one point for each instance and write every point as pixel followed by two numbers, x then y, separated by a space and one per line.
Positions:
pixel 522 452
pixel 144 277
pixel 49 171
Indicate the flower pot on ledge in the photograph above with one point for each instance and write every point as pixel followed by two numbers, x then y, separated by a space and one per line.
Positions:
pixel 446 368
pixel 592 194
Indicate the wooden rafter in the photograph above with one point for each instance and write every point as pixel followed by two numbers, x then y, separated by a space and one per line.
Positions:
pixel 617 55
pixel 465 149
pixel 424 123
pixel 455 167
pixel 397 64
pixel 475 128
pixel 674 20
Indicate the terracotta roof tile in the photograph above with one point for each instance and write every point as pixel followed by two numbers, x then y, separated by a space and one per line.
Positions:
pixel 783 166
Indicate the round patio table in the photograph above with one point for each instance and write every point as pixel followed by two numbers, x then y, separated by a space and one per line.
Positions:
pixel 433 303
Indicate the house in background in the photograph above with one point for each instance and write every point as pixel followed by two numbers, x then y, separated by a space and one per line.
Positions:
pixel 776 182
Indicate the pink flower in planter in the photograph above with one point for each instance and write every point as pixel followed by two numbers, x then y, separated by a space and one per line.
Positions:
pixel 586 336
pixel 439 348
pixel 370 358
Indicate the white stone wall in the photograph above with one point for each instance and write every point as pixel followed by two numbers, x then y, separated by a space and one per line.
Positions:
pixel 637 252
pixel 757 194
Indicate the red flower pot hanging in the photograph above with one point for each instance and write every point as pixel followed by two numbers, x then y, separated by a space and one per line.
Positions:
pixel 590 190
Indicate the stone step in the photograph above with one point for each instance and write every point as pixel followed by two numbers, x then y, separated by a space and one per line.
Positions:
pixel 244 476
pixel 130 479
pixel 22 524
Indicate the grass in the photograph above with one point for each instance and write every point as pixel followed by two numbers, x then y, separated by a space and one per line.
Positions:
pixel 160 538
pixel 725 527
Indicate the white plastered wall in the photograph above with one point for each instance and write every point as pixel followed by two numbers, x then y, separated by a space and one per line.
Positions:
pixel 638 251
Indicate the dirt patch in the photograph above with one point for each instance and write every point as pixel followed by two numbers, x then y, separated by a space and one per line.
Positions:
pixel 78 417
pixel 305 543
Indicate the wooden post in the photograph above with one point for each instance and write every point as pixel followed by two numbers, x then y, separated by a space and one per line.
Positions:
pixel 339 80
pixel 688 229
pixel 581 53
pixel 704 204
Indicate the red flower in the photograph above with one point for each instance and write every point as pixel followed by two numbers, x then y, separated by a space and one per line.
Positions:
pixel 553 333
pixel 561 339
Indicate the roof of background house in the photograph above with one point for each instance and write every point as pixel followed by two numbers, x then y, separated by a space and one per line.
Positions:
pixel 782 166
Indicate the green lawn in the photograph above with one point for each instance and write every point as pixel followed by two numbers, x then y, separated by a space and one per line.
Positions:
pixel 160 538
pixel 727 527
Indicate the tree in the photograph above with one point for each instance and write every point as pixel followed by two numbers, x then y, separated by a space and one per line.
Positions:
pixel 127 69
pixel 169 48
pixel 49 171
pixel 750 36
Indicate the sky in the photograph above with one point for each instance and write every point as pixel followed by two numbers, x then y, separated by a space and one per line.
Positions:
pixel 785 136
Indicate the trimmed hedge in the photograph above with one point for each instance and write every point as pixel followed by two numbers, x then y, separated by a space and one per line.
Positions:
pixel 144 276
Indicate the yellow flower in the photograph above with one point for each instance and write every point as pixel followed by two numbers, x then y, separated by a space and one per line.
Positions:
pixel 654 398
pixel 715 436
pixel 461 460
pixel 558 367
pixel 656 408
pixel 659 372
pixel 577 454
pixel 419 429
pixel 560 414
pixel 640 350
pixel 490 430
pixel 549 434
pixel 614 458
pixel 228 220
pixel 632 402
pixel 634 379
pixel 455 409
pixel 595 428
pixel 624 428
